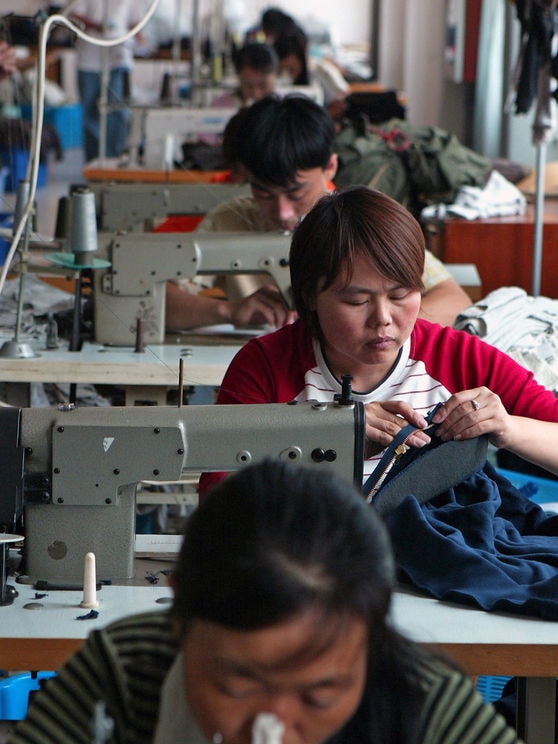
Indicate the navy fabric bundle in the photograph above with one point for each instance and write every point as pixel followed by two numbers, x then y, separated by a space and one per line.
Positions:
pixel 481 543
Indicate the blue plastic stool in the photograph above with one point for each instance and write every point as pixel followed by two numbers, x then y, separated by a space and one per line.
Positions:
pixel 14 693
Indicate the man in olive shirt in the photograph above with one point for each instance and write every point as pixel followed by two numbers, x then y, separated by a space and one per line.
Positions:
pixel 287 147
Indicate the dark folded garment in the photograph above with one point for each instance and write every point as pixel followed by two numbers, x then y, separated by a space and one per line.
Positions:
pixel 481 543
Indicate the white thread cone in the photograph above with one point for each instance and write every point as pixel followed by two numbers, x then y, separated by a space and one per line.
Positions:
pixel 89 582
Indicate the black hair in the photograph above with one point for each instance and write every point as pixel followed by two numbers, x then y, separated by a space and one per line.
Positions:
pixel 282 136
pixel 258 56
pixel 274 540
pixel 232 135
pixel 275 22
pixel 294 43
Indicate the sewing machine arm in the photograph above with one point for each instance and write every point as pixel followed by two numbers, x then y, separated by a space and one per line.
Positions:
pixel 129 206
pixel 141 263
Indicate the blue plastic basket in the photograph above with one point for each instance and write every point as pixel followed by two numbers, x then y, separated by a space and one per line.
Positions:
pixel 14 693
pixel 16 160
pixel 66 119
pixel 6 221
pixel 491 687
pixel 4 171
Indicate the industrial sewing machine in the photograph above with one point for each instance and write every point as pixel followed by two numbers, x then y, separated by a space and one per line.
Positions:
pixel 162 130
pixel 73 473
pixel 130 270
pixel 133 286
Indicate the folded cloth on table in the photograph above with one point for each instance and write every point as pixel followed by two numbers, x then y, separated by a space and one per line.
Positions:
pixel 523 326
pixel 498 198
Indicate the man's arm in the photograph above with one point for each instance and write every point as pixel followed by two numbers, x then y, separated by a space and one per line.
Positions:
pixel 442 299
pixel 187 310
pixel 443 302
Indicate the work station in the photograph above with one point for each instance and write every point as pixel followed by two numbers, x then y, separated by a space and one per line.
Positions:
pixel 278 373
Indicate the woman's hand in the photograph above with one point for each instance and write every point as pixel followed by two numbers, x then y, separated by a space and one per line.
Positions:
pixel 473 412
pixel 384 420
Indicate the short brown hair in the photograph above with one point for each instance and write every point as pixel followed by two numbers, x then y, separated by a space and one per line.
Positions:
pixel 347 224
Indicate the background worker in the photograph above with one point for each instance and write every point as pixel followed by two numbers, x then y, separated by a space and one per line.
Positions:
pixel 107 19
pixel 301 69
pixel 291 44
pixel 287 147
pixel 256 66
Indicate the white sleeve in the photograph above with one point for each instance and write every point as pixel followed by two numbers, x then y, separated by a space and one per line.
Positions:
pixel 329 77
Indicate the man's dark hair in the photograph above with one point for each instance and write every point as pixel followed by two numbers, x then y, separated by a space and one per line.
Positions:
pixel 231 138
pixel 282 136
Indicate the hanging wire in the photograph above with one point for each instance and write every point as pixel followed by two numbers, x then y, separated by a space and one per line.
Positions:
pixel 38 111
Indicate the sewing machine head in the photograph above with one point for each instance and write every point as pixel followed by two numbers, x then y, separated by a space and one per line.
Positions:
pixel 164 129
pixel 75 472
pixel 133 287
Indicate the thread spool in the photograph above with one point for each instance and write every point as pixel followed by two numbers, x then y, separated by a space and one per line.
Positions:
pixel 139 347
pixel 89 582
pixel 166 89
pixel 83 225
pixel 168 152
pixel 22 197
pixel 62 228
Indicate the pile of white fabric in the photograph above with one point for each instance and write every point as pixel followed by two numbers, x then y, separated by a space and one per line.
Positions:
pixel 523 326
pixel 498 198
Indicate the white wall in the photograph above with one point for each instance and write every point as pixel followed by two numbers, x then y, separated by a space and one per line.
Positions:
pixel 348 22
pixel 351 26
pixel 24 7
pixel 411 55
